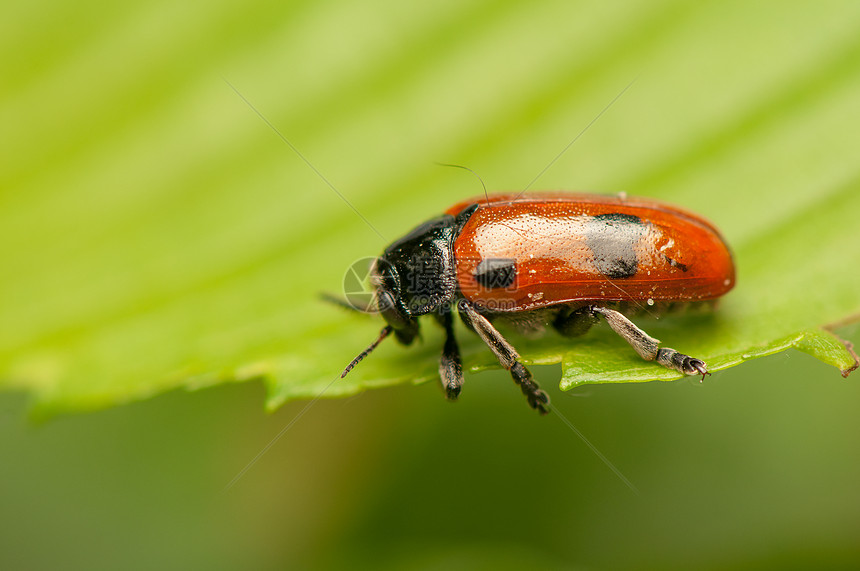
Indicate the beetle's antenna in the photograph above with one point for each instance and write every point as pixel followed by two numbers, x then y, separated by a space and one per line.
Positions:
pixel 575 139
pixel 347 304
pixel 486 194
pixel 382 335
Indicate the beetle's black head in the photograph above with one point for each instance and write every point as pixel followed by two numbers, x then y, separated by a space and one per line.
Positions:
pixel 389 300
pixel 414 276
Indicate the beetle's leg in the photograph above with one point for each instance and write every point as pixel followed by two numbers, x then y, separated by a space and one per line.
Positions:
pixel 507 355
pixel 648 347
pixel 574 323
pixel 450 366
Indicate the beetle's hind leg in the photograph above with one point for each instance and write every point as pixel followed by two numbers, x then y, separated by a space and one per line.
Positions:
pixel 648 347
pixel 507 355
pixel 450 365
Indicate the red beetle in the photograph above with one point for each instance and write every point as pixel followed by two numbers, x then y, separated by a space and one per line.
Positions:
pixel 548 258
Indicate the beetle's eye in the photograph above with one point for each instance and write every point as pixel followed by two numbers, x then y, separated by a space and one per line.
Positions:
pixel 385 276
pixel 390 281
pixel 389 310
pixel 384 300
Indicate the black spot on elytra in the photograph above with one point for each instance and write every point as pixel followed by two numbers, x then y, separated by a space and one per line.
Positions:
pixel 496 272
pixel 612 238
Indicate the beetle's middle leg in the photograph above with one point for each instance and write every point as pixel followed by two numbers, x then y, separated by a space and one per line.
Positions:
pixel 648 347
pixel 507 355
pixel 574 323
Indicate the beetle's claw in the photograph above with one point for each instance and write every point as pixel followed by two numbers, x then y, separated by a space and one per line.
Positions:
pixel 452 391
pixel 538 399
pixel 696 367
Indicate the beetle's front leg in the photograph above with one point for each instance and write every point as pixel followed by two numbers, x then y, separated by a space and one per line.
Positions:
pixel 450 365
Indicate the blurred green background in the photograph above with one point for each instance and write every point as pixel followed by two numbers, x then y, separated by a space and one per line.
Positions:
pixel 155 230
pixel 757 468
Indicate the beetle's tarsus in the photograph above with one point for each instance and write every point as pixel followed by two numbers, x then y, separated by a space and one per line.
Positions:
pixel 450 365
pixel 536 397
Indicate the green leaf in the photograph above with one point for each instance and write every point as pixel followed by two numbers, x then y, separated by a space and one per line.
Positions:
pixel 158 234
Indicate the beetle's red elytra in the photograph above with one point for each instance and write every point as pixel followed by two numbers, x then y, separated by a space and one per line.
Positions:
pixel 571 248
pixel 549 258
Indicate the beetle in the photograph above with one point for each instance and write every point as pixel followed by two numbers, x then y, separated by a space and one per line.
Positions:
pixel 547 259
